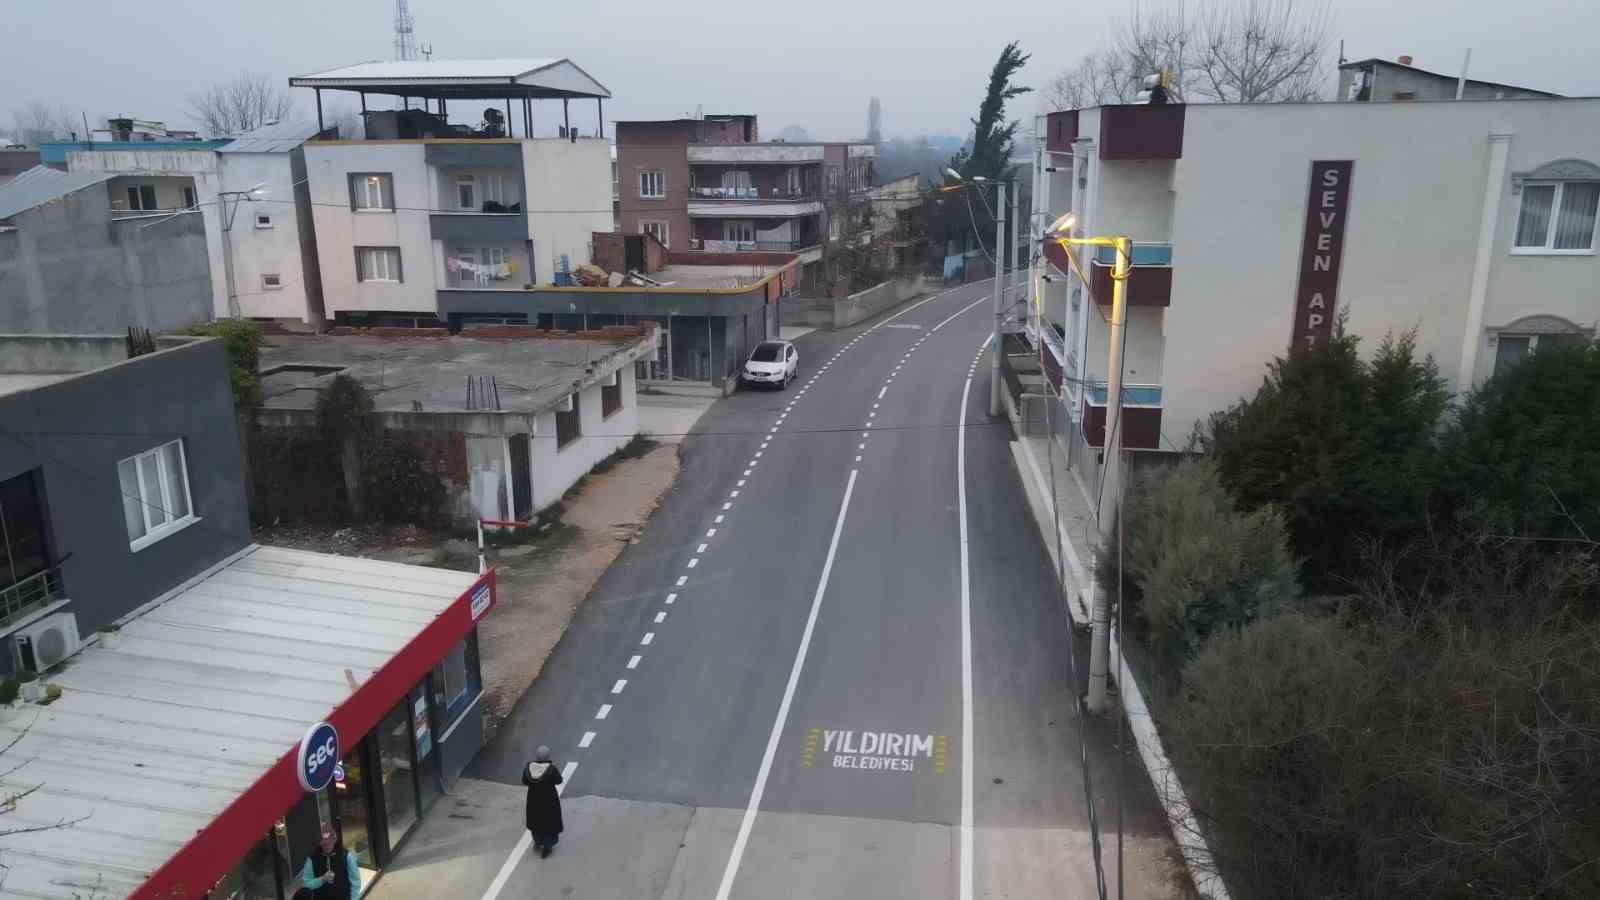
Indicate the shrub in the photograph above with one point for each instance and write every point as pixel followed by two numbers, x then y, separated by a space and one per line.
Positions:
pixel 294 477
pixel 1345 448
pixel 400 486
pixel 1196 564
pixel 1411 758
pixel 1523 458
pixel 241 339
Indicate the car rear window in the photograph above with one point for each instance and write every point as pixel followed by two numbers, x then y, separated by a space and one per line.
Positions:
pixel 767 353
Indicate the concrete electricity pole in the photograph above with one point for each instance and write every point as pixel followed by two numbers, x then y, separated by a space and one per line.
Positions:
pixel 1111 476
pixel 999 297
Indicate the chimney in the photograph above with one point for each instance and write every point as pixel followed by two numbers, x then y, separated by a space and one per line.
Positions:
pixel 1404 59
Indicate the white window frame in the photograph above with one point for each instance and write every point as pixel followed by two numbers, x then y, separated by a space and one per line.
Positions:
pixel 163 504
pixel 495 189
pixel 263 220
pixel 467 186
pixel 659 229
pixel 1549 248
pixel 383 253
pixel 652 184
pixel 370 181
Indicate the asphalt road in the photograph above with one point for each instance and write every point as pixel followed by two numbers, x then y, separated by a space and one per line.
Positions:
pixel 787 655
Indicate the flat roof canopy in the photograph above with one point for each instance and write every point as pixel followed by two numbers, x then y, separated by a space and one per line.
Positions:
pixel 456 79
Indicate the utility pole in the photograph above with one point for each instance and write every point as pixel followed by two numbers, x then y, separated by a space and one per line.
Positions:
pixel 227 248
pixel 1111 475
pixel 999 297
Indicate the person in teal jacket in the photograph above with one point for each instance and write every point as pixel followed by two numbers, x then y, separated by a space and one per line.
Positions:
pixel 330 872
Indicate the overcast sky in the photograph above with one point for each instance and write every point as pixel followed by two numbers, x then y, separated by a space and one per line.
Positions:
pixel 812 63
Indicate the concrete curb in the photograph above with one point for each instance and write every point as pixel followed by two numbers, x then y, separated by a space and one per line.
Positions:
pixel 1191 839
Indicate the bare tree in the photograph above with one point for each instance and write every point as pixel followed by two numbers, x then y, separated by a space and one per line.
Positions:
pixel 1261 51
pixel 1227 51
pixel 1102 76
pixel 246 101
pixel 39 121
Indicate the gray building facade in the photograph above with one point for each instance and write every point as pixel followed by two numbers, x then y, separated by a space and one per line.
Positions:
pixel 119 478
pixel 72 264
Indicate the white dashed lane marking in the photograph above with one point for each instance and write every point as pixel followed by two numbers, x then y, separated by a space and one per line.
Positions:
pixel 588 738
pixel 605 710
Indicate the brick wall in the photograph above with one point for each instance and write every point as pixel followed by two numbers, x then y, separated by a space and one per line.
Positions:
pixel 658 146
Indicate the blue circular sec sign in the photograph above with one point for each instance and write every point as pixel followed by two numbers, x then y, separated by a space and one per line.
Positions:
pixel 318 757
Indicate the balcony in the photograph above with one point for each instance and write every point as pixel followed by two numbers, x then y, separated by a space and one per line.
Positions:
pixel 503 268
pixel 764 207
pixel 1150 282
pixel 1141 415
pixel 1061 129
pixel 711 246
pixel 779 154
pixel 29 595
pixel 1141 132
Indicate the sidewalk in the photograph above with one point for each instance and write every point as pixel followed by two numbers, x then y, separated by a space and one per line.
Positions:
pixel 1033 457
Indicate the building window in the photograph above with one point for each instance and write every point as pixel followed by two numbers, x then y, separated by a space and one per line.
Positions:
pixel 743 232
pixel 652 184
pixel 1557 217
pixel 466 192
pixel 378 264
pixel 189 198
pixel 496 189
pixel 155 494
pixel 611 395
pixel 263 220
pixel 372 191
pixel 568 422
pixel 657 230
pixel 1511 349
pixel 457 680
pixel 142 196
pixel 271 282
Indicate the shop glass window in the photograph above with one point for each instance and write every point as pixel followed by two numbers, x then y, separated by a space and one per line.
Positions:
pixel 398 772
pixel 457 680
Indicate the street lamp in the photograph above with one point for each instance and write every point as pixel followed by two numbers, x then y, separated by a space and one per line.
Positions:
pixel 999 278
pixel 258 192
pixel 1060 232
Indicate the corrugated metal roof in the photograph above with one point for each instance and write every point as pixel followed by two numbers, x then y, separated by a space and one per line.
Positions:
pixel 550 77
pixel 278 137
pixel 204 693
pixel 42 184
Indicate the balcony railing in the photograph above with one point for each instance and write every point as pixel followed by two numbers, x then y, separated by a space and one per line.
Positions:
pixel 119 213
pixel 750 193
pixel 713 246
pixel 1141 415
pixel 470 275
pixel 29 594
pixel 1150 282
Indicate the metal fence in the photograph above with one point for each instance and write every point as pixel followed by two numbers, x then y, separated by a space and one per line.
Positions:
pixel 29 594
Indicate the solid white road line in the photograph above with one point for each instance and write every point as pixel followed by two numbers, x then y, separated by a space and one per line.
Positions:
pixel 966 648
pixel 749 820
pixel 920 302
pixel 954 314
pixel 588 738
pixel 605 710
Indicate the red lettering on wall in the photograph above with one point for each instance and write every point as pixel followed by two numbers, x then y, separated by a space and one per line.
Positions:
pixel 1321 251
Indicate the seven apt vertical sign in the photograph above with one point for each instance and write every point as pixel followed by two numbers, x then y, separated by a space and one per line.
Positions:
pixel 1321 252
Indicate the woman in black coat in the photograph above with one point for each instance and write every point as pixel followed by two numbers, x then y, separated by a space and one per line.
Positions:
pixel 544 804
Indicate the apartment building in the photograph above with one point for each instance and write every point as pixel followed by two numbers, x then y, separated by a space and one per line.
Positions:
pixel 710 184
pixel 1255 226
pixel 427 218
pixel 1366 80
pixel 249 192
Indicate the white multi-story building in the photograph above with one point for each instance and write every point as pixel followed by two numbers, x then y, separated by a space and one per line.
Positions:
pixel 1255 226
pixel 428 218
pixel 251 193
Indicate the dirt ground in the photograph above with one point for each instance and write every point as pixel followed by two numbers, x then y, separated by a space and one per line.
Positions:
pixel 542 576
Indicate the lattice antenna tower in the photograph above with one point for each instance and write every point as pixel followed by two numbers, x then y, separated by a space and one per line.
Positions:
pixel 405 42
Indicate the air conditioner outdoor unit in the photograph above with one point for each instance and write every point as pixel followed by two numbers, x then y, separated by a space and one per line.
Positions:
pixel 46 642
pixel 566 403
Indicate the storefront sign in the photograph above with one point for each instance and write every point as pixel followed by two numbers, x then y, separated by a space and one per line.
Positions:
pixel 1321 251
pixel 480 601
pixel 420 725
pixel 318 757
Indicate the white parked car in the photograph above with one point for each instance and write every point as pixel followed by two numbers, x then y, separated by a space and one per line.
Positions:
pixel 773 363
